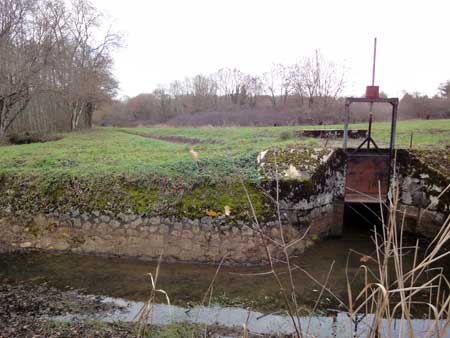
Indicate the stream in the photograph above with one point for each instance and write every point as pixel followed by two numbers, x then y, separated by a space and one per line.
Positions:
pixel 126 282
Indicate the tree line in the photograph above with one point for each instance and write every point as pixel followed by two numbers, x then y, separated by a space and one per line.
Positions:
pixel 55 64
pixel 308 91
pixel 56 75
pixel 312 85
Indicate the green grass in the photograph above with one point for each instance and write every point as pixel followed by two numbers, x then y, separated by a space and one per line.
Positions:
pixel 108 151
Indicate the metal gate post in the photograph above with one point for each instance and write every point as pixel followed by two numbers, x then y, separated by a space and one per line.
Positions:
pixel 393 125
pixel 346 121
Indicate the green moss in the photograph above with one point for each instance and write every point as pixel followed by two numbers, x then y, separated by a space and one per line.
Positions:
pixel 305 159
pixel 203 198
pixel 55 192
pixel 434 165
pixel 142 199
pixel 77 240
pixel 34 229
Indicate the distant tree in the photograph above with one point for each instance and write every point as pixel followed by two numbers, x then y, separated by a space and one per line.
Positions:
pixel 254 88
pixel 296 78
pixel 277 83
pixel 164 103
pixel 322 79
pixel 444 89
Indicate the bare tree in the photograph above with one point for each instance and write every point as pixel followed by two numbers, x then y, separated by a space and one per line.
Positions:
pixel 322 79
pixel 297 82
pixel 254 87
pixel 85 72
pixel 177 92
pixel 444 89
pixel 164 103
pixel 25 45
pixel 54 62
pixel 277 83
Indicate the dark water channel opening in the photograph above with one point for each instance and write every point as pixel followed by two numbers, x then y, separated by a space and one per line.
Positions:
pixel 362 218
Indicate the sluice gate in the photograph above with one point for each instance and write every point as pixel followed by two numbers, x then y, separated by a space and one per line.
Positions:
pixel 369 167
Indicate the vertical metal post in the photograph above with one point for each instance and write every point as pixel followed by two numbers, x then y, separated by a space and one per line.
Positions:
pixel 369 133
pixel 374 60
pixel 346 121
pixel 369 137
pixel 373 82
pixel 393 126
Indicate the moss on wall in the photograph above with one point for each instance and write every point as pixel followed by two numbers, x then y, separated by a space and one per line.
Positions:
pixel 425 166
pixel 114 195
pixel 213 199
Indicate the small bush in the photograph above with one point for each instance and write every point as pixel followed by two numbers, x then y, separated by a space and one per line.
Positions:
pixel 286 135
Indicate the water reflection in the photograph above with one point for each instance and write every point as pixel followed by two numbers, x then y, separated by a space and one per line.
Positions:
pixel 338 325
pixel 187 283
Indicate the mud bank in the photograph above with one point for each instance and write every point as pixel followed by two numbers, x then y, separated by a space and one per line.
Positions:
pixel 28 310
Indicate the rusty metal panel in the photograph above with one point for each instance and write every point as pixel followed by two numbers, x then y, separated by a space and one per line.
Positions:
pixel 367 176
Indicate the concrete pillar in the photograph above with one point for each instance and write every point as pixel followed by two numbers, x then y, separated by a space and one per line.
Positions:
pixel 337 225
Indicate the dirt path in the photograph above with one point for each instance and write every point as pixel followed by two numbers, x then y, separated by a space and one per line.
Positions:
pixel 171 139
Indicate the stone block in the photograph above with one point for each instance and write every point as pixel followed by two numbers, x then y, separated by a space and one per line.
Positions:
pixel 77 223
pixel 105 218
pixel 87 226
pixel 115 224
pixel 207 227
pixel 164 229
pixel 187 234
pixel 246 231
pixel 153 228
pixel 40 220
pixel 137 222
pixel 155 220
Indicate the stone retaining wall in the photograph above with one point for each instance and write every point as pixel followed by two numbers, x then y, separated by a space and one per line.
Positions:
pixel 68 215
pixel 318 203
pixel 422 197
pixel 205 240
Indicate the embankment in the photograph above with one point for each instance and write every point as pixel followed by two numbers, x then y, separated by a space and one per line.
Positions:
pixel 204 221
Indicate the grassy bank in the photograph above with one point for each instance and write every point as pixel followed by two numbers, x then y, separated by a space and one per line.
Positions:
pixel 222 151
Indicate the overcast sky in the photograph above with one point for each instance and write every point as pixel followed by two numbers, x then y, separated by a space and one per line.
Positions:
pixel 170 39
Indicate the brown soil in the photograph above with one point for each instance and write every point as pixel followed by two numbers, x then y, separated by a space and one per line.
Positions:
pixel 172 139
pixel 27 138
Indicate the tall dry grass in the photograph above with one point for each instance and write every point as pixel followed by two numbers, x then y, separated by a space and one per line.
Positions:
pixel 393 290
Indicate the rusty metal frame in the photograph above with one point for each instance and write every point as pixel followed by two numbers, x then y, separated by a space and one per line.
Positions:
pixel 393 101
pixel 369 196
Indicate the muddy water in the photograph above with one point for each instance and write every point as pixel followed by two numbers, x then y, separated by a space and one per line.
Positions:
pixel 126 283
pixel 186 284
